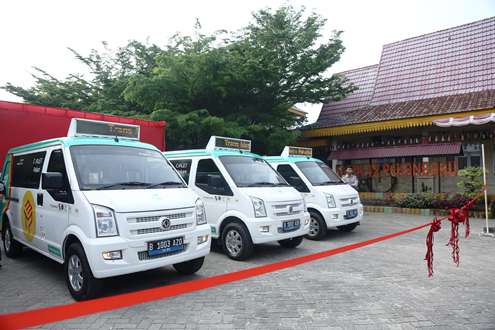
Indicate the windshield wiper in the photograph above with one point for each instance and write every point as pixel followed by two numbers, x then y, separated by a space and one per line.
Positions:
pixel 130 184
pixel 330 182
pixel 256 184
pixel 166 183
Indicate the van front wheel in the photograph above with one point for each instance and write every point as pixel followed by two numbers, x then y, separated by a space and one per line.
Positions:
pixel 12 248
pixel 317 227
pixel 189 267
pixel 291 242
pixel 237 242
pixel 78 276
pixel 348 228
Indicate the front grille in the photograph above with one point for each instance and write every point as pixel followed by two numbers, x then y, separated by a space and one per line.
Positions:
pixel 350 201
pixel 157 217
pixel 288 209
pixel 160 229
pixel 143 255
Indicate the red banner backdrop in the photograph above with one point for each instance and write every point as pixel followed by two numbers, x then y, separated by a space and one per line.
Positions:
pixel 444 168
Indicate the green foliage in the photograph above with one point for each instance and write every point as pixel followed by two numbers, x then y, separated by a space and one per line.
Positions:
pixel 415 201
pixel 471 181
pixel 237 84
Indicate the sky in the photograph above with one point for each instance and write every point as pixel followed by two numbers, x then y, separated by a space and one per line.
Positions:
pixel 37 33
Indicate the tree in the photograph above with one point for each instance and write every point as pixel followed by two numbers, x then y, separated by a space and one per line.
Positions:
pixel 238 84
pixel 471 181
pixel 102 91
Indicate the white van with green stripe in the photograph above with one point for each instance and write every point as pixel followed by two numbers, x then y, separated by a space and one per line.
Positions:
pixel 103 204
pixel 330 201
pixel 246 201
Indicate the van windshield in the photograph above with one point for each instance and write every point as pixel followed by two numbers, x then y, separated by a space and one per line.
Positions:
pixel 319 174
pixel 251 172
pixel 105 167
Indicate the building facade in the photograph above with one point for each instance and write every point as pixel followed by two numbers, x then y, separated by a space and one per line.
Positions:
pixel 387 129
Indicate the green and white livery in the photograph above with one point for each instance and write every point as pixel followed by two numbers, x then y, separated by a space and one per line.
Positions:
pixel 330 201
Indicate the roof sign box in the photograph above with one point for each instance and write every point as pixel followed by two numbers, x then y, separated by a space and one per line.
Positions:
pixel 85 127
pixel 219 142
pixel 297 151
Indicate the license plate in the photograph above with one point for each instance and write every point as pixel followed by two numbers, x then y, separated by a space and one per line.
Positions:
pixel 349 214
pixel 291 225
pixel 162 246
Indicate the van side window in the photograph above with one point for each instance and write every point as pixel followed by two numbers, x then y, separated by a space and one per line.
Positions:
pixel 57 164
pixel 183 166
pixel 27 170
pixel 210 179
pixel 288 173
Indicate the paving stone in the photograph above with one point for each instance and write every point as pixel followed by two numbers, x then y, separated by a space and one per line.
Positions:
pixel 381 286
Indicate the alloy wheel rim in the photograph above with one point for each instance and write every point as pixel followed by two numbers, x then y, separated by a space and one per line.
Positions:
pixel 233 242
pixel 314 227
pixel 74 271
pixel 6 241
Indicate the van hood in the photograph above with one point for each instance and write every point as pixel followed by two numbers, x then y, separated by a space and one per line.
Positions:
pixel 343 190
pixel 142 200
pixel 273 194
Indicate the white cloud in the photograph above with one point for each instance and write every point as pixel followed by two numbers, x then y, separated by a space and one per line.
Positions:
pixel 37 33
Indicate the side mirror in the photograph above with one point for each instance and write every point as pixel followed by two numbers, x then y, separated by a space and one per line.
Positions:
pixel 2 188
pixel 52 181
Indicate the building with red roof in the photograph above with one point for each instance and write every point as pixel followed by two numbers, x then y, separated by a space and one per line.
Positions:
pixel 386 128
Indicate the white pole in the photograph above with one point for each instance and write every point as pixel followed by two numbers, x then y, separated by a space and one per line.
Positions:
pixel 486 188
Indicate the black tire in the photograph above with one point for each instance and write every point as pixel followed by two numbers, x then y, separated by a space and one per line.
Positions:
pixel 237 242
pixel 348 228
pixel 291 243
pixel 189 267
pixel 12 248
pixel 317 227
pixel 77 264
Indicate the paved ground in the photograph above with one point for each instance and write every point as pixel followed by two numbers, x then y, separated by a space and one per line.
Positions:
pixel 382 286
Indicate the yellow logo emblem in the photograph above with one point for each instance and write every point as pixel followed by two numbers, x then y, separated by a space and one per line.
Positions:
pixel 28 216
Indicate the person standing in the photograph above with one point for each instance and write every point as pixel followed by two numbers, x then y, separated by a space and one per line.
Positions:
pixel 350 178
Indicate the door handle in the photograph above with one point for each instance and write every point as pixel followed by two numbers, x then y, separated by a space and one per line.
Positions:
pixel 39 199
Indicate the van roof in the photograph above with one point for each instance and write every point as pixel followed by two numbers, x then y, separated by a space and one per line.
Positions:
pixel 206 152
pixel 290 159
pixel 81 140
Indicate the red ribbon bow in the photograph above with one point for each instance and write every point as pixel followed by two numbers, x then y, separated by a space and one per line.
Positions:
pixel 436 225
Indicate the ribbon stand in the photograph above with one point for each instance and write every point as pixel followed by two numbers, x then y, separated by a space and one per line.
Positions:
pixel 486 230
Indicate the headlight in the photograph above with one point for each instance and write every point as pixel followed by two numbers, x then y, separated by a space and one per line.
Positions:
pixel 330 201
pixel 105 222
pixel 259 207
pixel 200 212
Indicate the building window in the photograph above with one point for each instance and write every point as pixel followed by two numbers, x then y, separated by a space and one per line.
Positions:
pixel 462 162
pixel 475 161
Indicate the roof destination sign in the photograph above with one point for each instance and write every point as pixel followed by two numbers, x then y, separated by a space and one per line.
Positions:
pixel 219 142
pixel 103 128
pixel 297 151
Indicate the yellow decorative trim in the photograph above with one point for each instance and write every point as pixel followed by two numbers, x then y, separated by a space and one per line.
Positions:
pixel 388 124
pixel 313 143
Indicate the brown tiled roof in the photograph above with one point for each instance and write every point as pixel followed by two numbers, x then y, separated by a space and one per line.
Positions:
pixel 407 109
pixel 363 78
pixel 443 72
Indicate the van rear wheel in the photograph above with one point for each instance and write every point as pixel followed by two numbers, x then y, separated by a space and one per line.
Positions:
pixel 80 280
pixel 189 267
pixel 12 248
pixel 236 241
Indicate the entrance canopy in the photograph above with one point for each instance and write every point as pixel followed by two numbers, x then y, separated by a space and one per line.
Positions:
pixel 464 121
pixel 398 151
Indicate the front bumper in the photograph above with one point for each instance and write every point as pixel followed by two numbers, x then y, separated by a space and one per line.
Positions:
pixel 255 224
pixel 336 216
pixel 131 261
